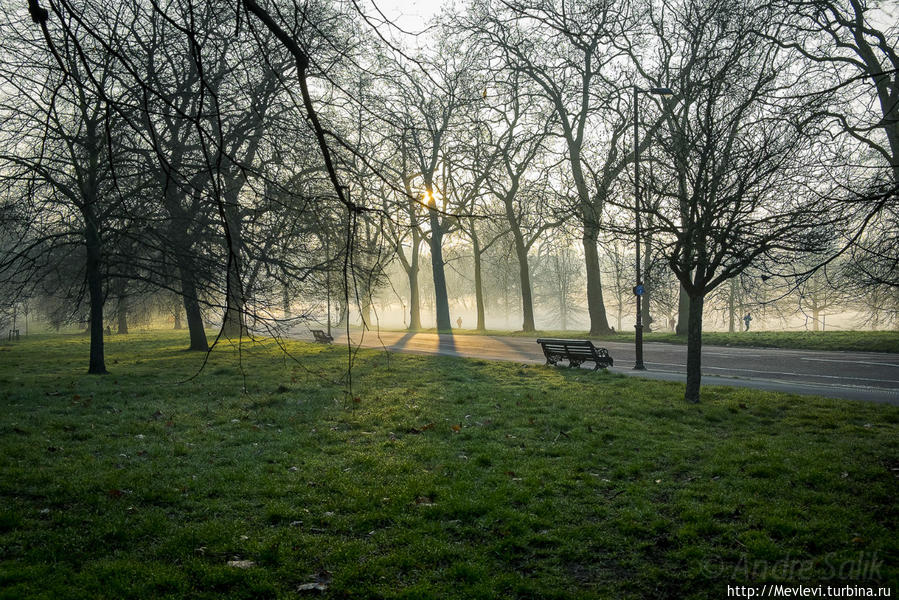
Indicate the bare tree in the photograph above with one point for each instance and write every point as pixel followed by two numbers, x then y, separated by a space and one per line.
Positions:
pixel 741 161
pixel 570 53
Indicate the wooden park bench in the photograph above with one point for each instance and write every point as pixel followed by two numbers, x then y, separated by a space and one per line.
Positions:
pixel 575 352
pixel 321 336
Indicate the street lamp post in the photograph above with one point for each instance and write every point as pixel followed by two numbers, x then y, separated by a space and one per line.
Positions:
pixel 638 288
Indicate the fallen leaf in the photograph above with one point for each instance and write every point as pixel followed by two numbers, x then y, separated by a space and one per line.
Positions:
pixel 421 429
pixel 457 428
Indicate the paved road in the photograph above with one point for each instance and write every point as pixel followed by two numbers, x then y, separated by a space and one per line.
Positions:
pixel 868 376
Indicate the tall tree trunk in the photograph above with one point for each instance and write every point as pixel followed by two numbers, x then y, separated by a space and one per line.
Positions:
pixel 179 232
pixel 524 278
pixel 414 296
pixel 97 364
pixel 177 313
pixel 365 309
pixel 122 315
pixel 731 308
pixel 234 324
pixel 816 314
pixel 645 314
pixel 599 323
pixel 195 325
pixel 694 350
pixel 478 282
pixel 440 297
pixel 342 314
pixel 683 312
pixel 285 301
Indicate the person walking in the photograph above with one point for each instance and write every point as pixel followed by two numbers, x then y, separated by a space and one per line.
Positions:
pixel 459 322
pixel 747 319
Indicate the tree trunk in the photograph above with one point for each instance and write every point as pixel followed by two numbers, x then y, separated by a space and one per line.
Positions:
pixel 815 315
pixel 694 350
pixel 122 315
pixel 234 323
pixel 177 313
pixel 285 301
pixel 414 297
pixel 97 364
pixel 195 325
pixel 478 282
pixel 365 309
pixel 731 309
pixel 646 317
pixel 440 298
pixel 683 312
pixel 599 324
pixel 343 314
pixel 524 277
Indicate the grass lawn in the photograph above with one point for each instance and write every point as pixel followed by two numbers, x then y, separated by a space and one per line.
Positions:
pixel 439 478
pixel 860 341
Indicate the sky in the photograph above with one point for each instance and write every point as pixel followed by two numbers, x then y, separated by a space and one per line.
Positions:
pixel 411 15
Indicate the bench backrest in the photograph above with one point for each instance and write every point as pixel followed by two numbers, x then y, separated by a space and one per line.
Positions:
pixel 563 343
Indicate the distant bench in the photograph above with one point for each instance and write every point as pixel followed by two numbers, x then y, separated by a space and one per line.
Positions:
pixel 321 336
pixel 575 352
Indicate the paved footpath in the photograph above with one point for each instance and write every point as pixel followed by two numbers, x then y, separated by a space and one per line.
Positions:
pixel 870 376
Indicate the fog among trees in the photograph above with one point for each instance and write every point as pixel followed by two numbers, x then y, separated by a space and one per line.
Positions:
pixel 266 167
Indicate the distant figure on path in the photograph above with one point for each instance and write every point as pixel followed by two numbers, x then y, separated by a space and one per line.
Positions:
pixel 672 324
pixel 459 322
pixel 747 320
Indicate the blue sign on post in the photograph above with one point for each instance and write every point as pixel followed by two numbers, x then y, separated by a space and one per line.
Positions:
pixel 638 290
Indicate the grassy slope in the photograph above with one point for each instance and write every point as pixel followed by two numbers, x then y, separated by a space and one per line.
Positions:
pixel 867 341
pixel 442 478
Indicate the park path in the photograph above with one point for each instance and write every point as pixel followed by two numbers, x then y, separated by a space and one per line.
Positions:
pixel 867 376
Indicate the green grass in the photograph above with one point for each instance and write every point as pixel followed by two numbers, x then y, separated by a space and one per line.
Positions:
pixel 862 341
pixel 439 478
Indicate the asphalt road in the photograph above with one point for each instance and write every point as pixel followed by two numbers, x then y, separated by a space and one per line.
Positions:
pixel 867 376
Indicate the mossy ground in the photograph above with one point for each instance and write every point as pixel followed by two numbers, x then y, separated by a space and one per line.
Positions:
pixel 437 478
